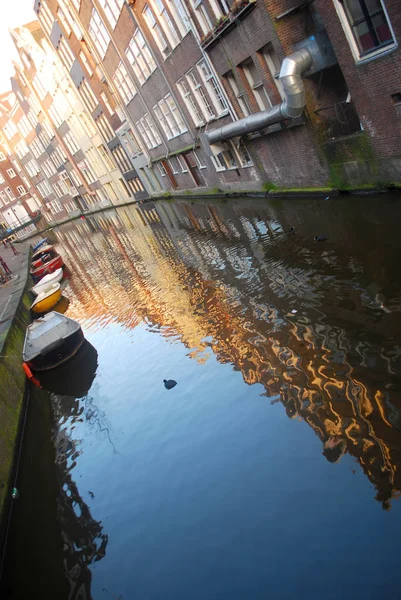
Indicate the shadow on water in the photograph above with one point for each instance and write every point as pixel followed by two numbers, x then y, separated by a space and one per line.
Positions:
pixel 244 284
pixel 57 564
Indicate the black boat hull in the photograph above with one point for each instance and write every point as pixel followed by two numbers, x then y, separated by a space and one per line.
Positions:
pixel 59 353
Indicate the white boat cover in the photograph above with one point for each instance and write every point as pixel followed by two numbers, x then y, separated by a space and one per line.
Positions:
pixel 47 281
pixel 48 330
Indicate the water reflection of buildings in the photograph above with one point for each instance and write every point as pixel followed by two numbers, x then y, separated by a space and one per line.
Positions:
pixel 225 278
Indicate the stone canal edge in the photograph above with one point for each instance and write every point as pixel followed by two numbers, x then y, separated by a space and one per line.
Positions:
pixel 14 318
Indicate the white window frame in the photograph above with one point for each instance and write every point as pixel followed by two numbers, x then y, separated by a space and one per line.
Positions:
pixel 202 16
pixel 162 170
pixel 2 180
pixel 99 34
pixel 2 157
pixel 140 57
pixel 258 88
pixel 84 60
pixel 156 30
pixel 21 190
pixel 170 117
pixel 124 84
pixel 112 9
pixel 358 55
pixel 148 131
pixel 10 193
pixel 188 97
pixel 240 96
pixel 273 64
pixel 11 173
pixel 166 22
pixel 199 93
pixel 106 103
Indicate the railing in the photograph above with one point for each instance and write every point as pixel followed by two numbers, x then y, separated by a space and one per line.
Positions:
pixel 19 224
pixel 238 10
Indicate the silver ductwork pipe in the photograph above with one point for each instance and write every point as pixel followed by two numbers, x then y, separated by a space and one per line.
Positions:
pixel 292 106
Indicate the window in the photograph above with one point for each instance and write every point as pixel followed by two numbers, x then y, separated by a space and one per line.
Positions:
pixel 66 55
pixel 156 30
pixel 140 57
pixel 237 93
pixel 200 96
pixel 36 148
pixel 202 16
pixel 21 149
pixel 124 84
pixel 2 180
pixel 232 157
pixel 149 132
pixel 61 17
pixel 88 96
pixel 167 23
pixel 21 190
pixel 3 199
pixel 24 126
pixel 215 91
pixel 368 23
pixel 71 142
pixel 169 117
pixel 11 173
pixel 2 157
pixel 106 103
pixel 121 159
pixel 274 66
pixel 57 120
pixel 58 157
pixel 172 166
pixel 32 167
pixel 48 167
pixel 198 157
pixel 84 60
pixel 98 33
pixel 34 104
pixel 45 17
pixel 129 142
pixel 10 130
pixel 190 103
pixel 104 154
pixel 37 84
pixel 112 9
pixel 87 124
pixel 162 170
pixel 181 18
pixel 32 118
pixel 243 155
pixel 10 193
pixel 255 82
pixel 44 189
pixel 86 171
pixel 44 138
pixel 106 130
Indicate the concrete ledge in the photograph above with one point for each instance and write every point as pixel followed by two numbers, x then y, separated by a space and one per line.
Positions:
pixel 15 319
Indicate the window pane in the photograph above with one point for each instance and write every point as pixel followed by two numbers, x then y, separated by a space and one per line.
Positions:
pixel 382 29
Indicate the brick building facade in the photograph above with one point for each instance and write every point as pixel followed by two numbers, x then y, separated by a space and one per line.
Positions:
pixel 157 77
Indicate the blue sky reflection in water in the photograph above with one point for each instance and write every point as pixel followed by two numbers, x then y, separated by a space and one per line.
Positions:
pixel 218 489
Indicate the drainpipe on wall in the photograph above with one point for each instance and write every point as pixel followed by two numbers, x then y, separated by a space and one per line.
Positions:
pixel 292 69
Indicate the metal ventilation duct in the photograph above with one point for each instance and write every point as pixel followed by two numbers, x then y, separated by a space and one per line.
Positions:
pixel 292 69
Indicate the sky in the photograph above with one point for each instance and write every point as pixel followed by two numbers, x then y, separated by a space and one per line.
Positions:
pixel 12 14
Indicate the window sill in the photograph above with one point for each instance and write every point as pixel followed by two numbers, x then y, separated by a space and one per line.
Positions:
pixel 376 54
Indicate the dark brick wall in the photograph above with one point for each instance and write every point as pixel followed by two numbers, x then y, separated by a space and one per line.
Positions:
pixel 371 84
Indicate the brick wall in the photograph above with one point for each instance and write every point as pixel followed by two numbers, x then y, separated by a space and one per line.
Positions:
pixel 371 84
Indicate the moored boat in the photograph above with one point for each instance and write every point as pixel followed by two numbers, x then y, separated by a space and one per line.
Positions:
pixel 44 261
pixel 47 281
pixel 47 300
pixel 39 244
pixel 50 341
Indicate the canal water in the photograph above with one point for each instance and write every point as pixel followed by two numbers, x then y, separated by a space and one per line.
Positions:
pixel 273 468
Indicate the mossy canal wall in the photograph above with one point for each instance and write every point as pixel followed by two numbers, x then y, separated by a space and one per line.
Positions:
pixel 13 323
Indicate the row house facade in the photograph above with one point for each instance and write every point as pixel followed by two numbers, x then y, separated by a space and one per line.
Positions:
pixel 167 76
pixel 58 142
pixel 19 201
